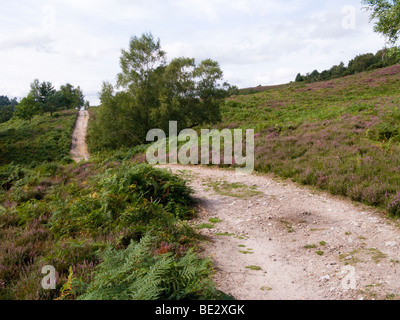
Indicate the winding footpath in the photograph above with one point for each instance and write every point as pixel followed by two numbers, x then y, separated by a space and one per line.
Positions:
pixel 292 243
pixel 79 150
pixel 281 241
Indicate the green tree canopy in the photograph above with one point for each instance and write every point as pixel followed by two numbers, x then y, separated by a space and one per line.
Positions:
pixel 6 101
pixel 50 100
pixel 362 63
pixel 386 14
pixel 72 98
pixel 54 102
pixel 7 108
pixel 27 108
pixel 140 62
pixel 151 92
pixel 41 91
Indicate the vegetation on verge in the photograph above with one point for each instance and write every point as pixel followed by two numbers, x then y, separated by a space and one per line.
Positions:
pixel 112 228
pixel 341 135
pixel 44 139
pixel 117 229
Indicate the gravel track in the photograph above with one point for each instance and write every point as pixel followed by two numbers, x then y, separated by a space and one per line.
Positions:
pixel 79 150
pixel 293 243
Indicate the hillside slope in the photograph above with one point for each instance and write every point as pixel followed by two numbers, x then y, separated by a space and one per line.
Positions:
pixel 111 228
pixel 45 139
pixel 341 135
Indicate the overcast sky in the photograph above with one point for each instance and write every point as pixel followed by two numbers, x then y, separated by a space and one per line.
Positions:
pixel 256 42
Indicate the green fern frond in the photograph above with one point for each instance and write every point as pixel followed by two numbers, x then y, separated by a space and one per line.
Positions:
pixel 136 274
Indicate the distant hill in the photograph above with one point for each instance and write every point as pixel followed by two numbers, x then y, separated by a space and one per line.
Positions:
pixel 261 88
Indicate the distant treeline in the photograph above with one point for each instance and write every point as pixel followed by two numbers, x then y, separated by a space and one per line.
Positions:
pixel 42 98
pixel 7 108
pixel 364 62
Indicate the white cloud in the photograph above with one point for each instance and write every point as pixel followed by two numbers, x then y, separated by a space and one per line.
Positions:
pixel 255 41
pixel 217 10
pixel 37 38
pixel 116 11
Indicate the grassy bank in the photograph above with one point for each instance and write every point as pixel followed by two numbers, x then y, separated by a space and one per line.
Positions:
pixel 111 228
pixel 46 139
pixel 342 135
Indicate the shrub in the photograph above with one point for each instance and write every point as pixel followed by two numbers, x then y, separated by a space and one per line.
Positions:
pixel 387 131
pixel 155 185
pixel 66 216
pixel 19 249
pixel 179 90
pixel 394 205
pixel 9 174
pixel 136 198
pixel 136 273
pixel 44 140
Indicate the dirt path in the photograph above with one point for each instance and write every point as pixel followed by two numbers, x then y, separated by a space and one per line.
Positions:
pixel 79 151
pixel 279 241
pixel 274 240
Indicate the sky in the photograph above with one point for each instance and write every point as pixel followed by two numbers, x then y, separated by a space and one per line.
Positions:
pixel 256 42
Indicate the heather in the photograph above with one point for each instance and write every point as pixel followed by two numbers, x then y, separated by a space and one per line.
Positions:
pixel 44 139
pixel 340 135
pixel 82 218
